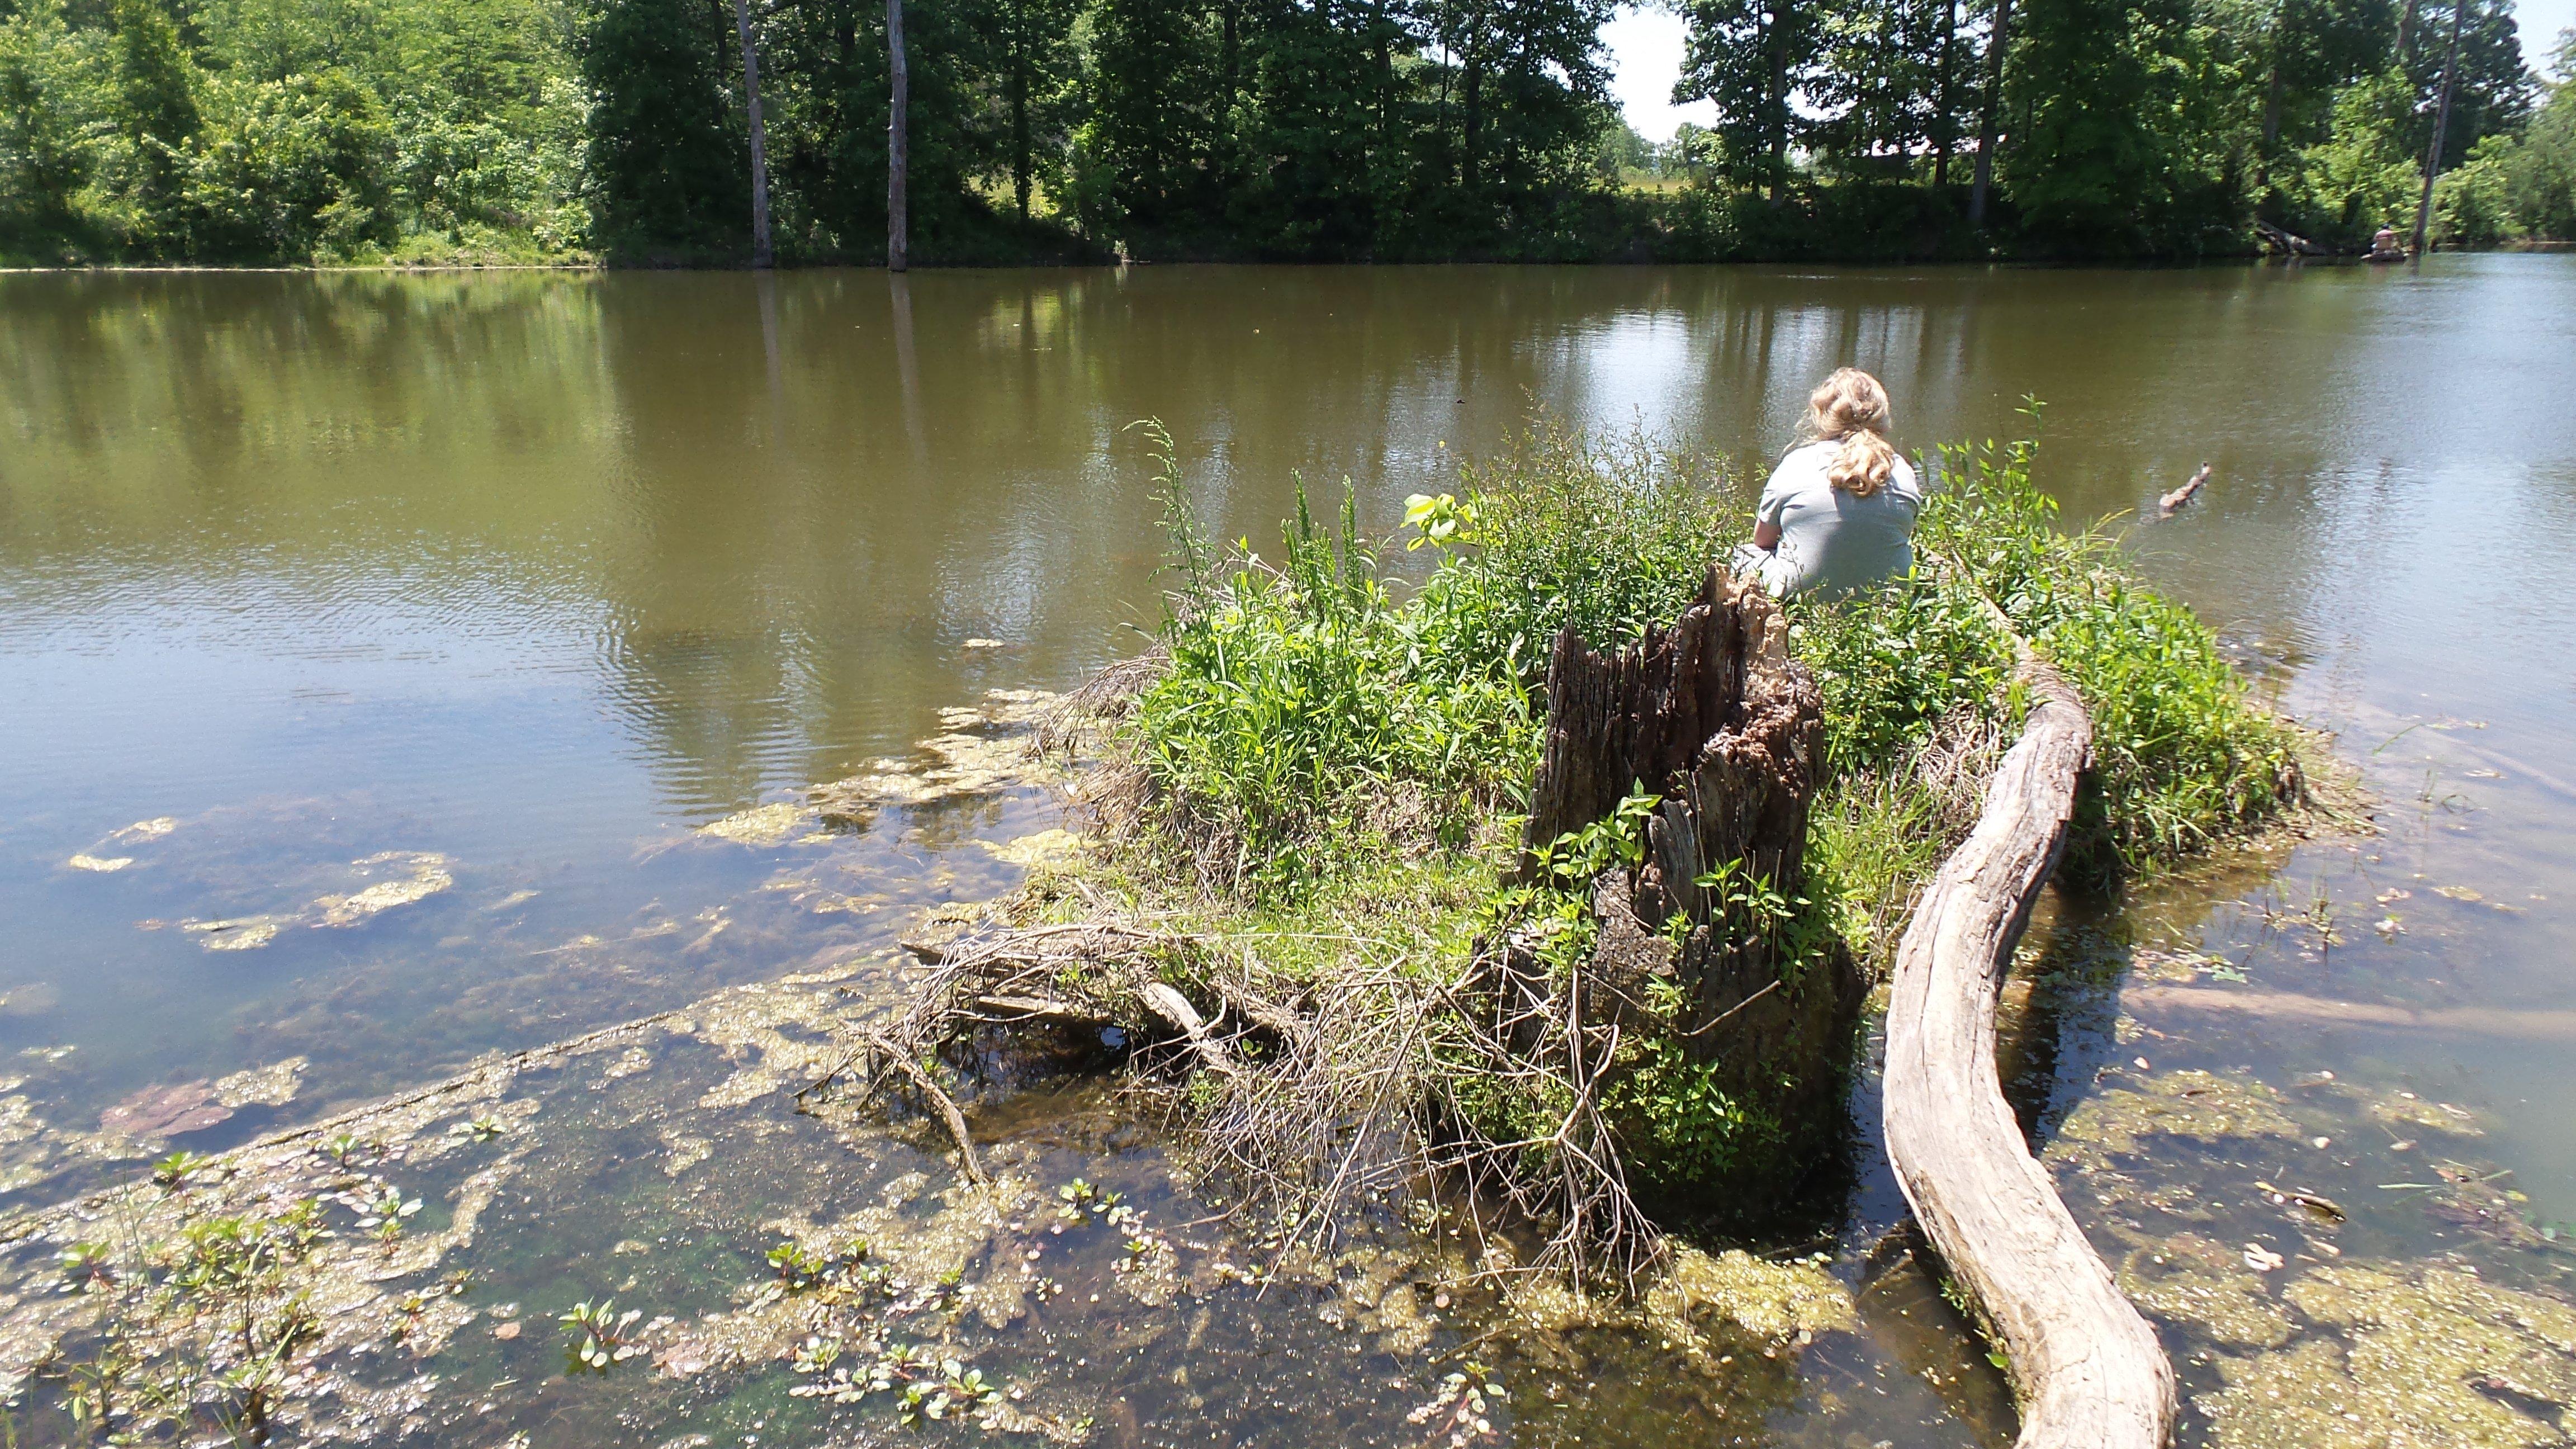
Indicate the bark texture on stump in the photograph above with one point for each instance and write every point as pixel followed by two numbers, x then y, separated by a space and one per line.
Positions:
pixel 1709 714
pixel 2087 1369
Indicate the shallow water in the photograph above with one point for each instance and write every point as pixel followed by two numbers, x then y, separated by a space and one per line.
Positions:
pixel 436 614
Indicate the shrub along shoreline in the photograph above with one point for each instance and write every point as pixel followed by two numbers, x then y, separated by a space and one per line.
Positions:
pixel 1313 917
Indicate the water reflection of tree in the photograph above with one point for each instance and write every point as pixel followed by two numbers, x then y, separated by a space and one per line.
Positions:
pixel 785 561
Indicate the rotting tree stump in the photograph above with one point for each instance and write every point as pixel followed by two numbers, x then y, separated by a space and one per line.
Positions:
pixel 2085 1367
pixel 1710 715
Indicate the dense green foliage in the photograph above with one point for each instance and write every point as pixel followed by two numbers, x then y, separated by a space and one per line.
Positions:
pixel 297 130
pixel 1337 759
pixel 1306 700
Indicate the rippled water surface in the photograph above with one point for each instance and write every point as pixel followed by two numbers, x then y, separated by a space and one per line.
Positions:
pixel 399 633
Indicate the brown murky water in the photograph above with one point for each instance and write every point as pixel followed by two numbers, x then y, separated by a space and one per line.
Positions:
pixel 399 634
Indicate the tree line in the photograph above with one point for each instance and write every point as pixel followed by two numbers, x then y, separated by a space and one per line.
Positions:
pixel 722 131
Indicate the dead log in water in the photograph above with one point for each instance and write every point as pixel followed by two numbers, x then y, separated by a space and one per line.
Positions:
pixel 2085 1366
pixel 2180 496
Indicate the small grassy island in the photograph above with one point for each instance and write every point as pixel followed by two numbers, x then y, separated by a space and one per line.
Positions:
pixel 1374 923
pixel 1482 950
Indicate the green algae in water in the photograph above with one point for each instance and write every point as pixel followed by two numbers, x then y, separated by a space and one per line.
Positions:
pixel 2427 1355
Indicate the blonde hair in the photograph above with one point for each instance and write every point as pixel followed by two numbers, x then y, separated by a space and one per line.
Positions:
pixel 1851 405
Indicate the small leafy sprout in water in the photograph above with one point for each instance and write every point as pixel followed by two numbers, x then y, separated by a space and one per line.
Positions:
pixel 385 1213
pixel 816 1354
pixel 797 1268
pixel 407 1315
pixel 341 1147
pixel 1084 1201
pixel 1462 1406
pixel 602 1331
pixel 957 1387
pixel 178 1168
pixel 86 1265
pixel 1443 520
pixel 481 1129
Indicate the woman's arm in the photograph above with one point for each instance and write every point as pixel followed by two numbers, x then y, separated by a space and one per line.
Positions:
pixel 1766 535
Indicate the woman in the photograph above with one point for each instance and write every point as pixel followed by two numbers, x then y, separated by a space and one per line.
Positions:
pixel 1838 513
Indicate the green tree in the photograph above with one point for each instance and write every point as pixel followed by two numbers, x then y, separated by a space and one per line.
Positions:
pixel 153 109
pixel 45 158
pixel 1140 147
pixel 665 168
pixel 2541 171
pixel 291 170
pixel 2084 165
pixel 1750 57
pixel 2473 202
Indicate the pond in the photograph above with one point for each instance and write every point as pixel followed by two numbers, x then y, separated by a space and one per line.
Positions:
pixel 378 651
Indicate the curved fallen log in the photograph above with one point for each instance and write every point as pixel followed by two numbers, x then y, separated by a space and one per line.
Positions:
pixel 2085 1366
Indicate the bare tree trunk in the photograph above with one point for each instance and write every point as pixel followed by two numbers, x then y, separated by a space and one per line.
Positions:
pixel 1474 102
pixel 898 144
pixel 1776 119
pixel 1946 127
pixel 1020 107
pixel 2272 101
pixel 2441 129
pixel 760 253
pixel 2405 31
pixel 1993 101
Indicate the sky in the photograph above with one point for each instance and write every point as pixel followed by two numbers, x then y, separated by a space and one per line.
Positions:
pixel 1646 56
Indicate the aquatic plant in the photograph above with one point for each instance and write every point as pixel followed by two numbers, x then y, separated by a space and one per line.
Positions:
pixel 384 1211
pixel 1084 1201
pixel 88 1266
pixel 177 1169
pixel 1460 1412
pixel 599 1335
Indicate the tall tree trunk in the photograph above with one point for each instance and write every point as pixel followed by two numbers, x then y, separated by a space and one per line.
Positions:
pixel 1229 50
pixel 1776 82
pixel 2441 129
pixel 898 144
pixel 2405 32
pixel 1990 104
pixel 718 31
pixel 2272 101
pixel 1020 107
pixel 1945 125
pixel 1474 101
pixel 760 252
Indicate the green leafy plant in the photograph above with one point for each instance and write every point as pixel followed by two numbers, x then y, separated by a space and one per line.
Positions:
pixel 180 1168
pixel 384 1212
pixel 1082 1201
pixel 599 1335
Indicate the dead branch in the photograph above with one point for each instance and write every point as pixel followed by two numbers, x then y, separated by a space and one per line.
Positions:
pixel 885 1053
pixel 2085 1365
pixel 2180 496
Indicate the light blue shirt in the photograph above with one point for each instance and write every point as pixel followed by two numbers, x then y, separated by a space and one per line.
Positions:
pixel 1830 540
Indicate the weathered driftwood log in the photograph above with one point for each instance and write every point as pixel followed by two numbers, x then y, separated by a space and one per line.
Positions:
pixel 1709 714
pixel 2085 1366
pixel 2180 496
